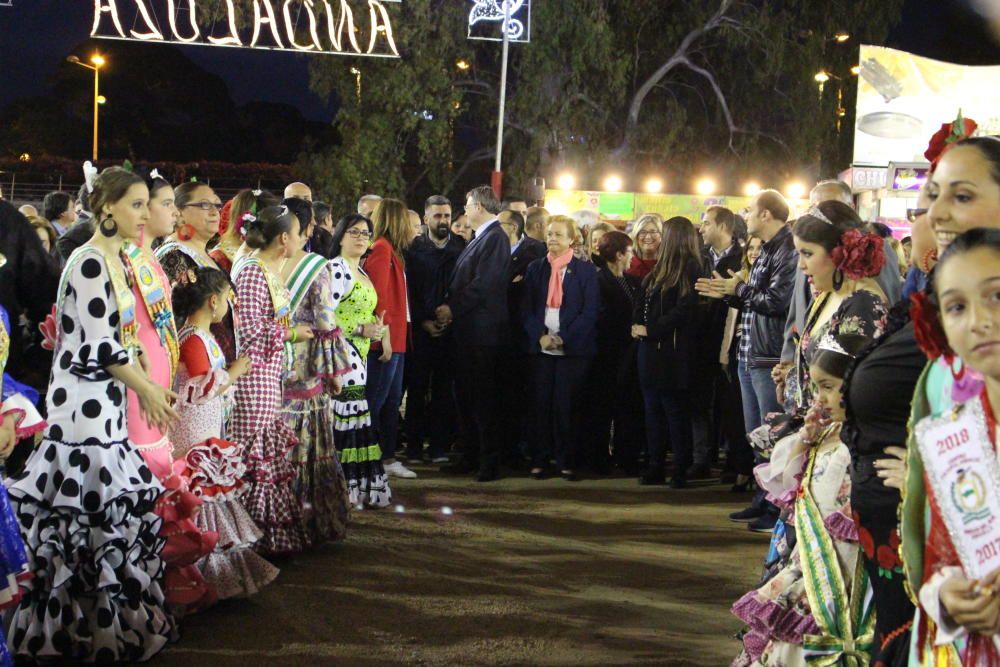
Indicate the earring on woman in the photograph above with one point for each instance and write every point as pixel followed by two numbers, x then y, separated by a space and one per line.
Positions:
pixel 185 232
pixel 108 230
pixel 838 279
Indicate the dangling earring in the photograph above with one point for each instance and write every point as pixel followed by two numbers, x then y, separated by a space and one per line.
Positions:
pixel 838 279
pixel 185 232
pixel 108 227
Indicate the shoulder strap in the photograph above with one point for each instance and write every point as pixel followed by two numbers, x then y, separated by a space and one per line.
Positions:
pixel 302 278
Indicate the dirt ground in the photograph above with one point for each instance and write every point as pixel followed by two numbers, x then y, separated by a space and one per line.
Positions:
pixel 598 572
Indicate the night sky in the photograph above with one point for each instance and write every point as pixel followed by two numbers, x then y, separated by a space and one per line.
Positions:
pixel 38 34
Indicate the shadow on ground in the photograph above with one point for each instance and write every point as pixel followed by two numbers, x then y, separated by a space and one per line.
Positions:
pixel 599 572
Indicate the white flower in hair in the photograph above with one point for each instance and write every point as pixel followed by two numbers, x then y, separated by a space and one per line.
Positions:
pixel 89 175
pixel 155 174
pixel 257 193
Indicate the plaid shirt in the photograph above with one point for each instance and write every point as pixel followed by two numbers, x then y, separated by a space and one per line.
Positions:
pixel 746 316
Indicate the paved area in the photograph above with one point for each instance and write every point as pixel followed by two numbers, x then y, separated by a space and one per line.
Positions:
pixel 599 572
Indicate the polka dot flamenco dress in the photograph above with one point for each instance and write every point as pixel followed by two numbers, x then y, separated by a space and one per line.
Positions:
pixel 354 299
pixel 85 499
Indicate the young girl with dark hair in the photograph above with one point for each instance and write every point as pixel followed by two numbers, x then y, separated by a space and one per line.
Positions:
pixel 257 425
pixel 213 466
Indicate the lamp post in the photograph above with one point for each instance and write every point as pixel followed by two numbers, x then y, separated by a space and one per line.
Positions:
pixel 97 61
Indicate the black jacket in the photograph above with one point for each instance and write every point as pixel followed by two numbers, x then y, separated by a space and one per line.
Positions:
pixel 526 253
pixel 428 270
pixel 477 293
pixel 715 311
pixel 614 323
pixel 672 329
pixel 767 294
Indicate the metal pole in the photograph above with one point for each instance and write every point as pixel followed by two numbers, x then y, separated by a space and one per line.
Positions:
pixel 497 168
pixel 96 75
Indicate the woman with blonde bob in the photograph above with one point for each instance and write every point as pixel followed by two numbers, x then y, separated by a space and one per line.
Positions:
pixel 385 268
pixel 647 236
pixel 561 302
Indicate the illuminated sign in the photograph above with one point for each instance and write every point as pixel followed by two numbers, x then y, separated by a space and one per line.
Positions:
pixel 340 27
pixel 909 177
pixel 486 20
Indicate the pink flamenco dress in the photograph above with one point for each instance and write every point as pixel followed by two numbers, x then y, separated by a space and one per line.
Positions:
pixel 214 468
pixel 185 543
pixel 257 424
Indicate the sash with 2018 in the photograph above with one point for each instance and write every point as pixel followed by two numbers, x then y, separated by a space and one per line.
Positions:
pixel 964 476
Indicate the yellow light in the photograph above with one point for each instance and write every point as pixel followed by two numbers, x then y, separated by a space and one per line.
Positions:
pixel 566 181
pixel 25 157
pixel 842 37
pixel 856 70
pixel 97 59
pixel 821 77
pixel 795 190
pixel 705 187
pixel 654 185
pixel 463 64
pixel 613 184
pixel 101 99
pixel 751 189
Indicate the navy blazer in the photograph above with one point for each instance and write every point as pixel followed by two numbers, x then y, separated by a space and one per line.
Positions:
pixel 578 313
pixel 477 292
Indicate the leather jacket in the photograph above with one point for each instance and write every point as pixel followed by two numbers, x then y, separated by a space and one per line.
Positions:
pixel 768 295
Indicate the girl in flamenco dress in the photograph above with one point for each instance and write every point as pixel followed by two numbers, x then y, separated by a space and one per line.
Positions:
pixel 213 466
pixel 185 544
pixel 85 500
pixel 257 425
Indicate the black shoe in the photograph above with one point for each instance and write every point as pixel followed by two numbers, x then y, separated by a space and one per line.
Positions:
pixel 764 524
pixel 488 475
pixel 569 476
pixel 748 514
pixel 652 477
pixel 678 482
pixel 539 473
pixel 700 471
pixel 460 468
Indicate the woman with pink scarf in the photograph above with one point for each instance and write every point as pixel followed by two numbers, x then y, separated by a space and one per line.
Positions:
pixel 561 303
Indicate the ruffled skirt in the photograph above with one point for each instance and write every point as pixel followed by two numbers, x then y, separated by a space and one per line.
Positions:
pixel 269 498
pixel 87 519
pixel 359 451
pixel 319 481
pixel 215 471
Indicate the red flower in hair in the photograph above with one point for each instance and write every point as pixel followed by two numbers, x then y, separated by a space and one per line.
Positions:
pixel 927 326
pixel 859 255
pixel 949 134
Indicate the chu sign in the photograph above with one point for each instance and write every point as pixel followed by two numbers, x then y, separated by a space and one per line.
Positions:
pixel 339 27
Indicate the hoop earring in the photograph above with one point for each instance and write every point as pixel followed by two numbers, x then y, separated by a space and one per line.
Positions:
pixel 185 232
pixel 108 230
pixel 838 279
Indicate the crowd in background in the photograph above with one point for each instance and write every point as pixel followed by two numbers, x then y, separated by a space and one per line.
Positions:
pixel 230 380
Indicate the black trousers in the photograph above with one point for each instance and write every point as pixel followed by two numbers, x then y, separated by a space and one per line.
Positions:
pixel 430 394
pixel 739 453
pixel 515 404
pixel 704 412
pixel 556 386
pixel 478 383
pixel 610 412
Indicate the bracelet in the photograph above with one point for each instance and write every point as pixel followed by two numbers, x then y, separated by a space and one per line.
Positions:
pixel 295 335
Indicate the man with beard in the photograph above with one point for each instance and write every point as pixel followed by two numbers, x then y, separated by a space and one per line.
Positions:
pixel 430 364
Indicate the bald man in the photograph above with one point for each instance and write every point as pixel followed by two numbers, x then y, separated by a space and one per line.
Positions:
pixel 367 204
pixel 299 191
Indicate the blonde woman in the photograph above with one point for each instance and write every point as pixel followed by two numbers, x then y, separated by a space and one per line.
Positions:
pixel 385 266
pixel 647 235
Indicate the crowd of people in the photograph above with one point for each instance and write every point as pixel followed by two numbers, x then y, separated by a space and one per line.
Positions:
pixel 227 381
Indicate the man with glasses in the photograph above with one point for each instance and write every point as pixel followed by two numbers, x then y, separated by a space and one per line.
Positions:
pixel 477 304
pixel 430 260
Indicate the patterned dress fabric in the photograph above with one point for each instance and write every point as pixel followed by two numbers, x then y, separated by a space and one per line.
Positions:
pixel 176 261
pixel 214 468
pixel 185 544
pixel 319 482
pixel 257 426
pixel 354 301
pixel 85 500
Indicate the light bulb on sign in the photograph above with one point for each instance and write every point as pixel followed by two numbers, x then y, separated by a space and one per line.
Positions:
pixel 751 189
pixel 566 181
pixel 705 187
pixel 795 190
pixel 654 185
pixel 613 184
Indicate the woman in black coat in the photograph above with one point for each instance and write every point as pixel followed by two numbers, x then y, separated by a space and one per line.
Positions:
pixel 561 302
pixel 666 325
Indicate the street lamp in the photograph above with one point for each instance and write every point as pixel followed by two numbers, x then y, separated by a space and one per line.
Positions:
pixel 566 181
pixel 842 37
pixel 654 185
pixel 795 190
pixel 463 64
pixel 613 183
pixel 97 61
pixel 751 189
pixel 705 187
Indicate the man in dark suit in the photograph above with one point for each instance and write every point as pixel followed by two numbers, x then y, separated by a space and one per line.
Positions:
pixel 476 309
pixel 514 382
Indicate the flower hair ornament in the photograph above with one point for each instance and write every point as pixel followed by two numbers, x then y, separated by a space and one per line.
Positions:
pixel 949 135
pixel 245 219
pixel 155 174
pixel 927 328
pixel 89 175
pixel 188 277
pixel 859 255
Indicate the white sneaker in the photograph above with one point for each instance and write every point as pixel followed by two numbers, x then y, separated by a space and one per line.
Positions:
pixel 397 469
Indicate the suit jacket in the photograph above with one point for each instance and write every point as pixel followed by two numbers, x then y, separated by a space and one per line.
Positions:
pixel 526 253
pixel 578 313
pixel 385 270
pixel 477 293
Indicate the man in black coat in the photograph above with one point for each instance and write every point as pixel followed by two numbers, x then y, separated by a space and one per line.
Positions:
pixel 430 260
pixel 476 309
pixel 724 255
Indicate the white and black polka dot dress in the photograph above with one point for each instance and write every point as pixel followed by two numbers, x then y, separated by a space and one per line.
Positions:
pixel 85 499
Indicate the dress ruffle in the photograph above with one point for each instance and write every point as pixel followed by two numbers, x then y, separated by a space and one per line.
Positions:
pixel 92 359
pixel 269 499
pixel 95 594
pixel 360 455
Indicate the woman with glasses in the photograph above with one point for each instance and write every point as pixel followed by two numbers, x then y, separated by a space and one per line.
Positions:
pixel 198 207
pixel 354 300
pixel 648 234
